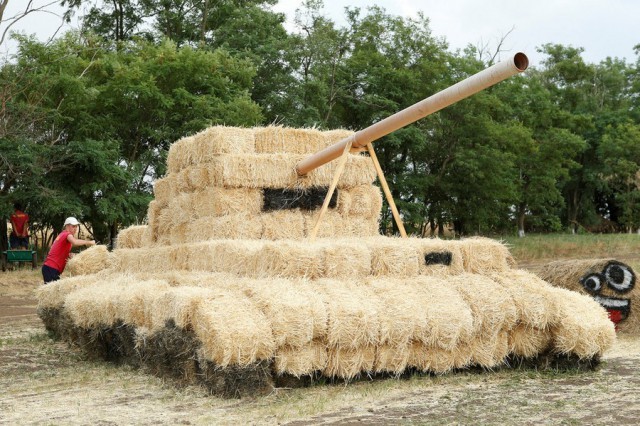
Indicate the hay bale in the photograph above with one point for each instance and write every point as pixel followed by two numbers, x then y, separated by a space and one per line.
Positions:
pixel 178 157
pixel 347 363
pixel 527 342
pixel 53 294
pixel 393 257
pixel 177 304
pixel 532 297
pixel 233 331
pixel 276 260
pixel 283 224
pixel 233 226
pixel 391 359
pixel 489 350
pixel 610 282
pixel 132 237
pixel 436 256
pixel 218 140
pixel 135 301
pixel 301 361
pixel 492 308
pixel 485 256
pixel 340 261
pixel 446 321
pixel 89 261
pixel 215 201
pixel 277 139
pixel 584 328
pixel 331 225
pixel 163 190
pixel 353 315
pixel 429 359
pixel 287 307
pixel 366 201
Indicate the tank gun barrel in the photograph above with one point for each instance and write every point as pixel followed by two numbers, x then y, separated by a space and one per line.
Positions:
pixel 463 89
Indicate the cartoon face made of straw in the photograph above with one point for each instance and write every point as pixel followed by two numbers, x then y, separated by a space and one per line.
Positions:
pixel 615 279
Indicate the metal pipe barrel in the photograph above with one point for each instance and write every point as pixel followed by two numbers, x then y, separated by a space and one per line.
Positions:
pixel 463 89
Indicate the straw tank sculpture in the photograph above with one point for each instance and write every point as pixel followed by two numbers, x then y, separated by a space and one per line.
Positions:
pixel 250 275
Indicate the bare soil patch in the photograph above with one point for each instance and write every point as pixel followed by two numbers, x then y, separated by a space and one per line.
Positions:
pixel 46 382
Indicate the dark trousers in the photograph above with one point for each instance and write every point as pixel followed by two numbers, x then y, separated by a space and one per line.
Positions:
pixel 50 274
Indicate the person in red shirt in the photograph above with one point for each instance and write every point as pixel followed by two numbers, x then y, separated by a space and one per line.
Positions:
pixel 19 237
pixel 59 254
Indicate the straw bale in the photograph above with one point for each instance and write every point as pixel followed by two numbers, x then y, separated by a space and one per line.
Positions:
pixel 567 273
pixel 526 341
pixel 366 201
pixel 163 190
pixel 353 314
pixel 330 227
pixel 177 151
pixel 215 201
pixel 89 261
pixel 359 170
pixel 278 171
pixel 443 318
pixel 233 331
pixel 358 227
pixel 431 359
pixel 131 237
pixel 344 202
pixel 490 350
pixel 435 247
pixel 179 233
pixel 153 215
pixel 283 224
pixel 400 314
pixel 290 259
pixel 149 259
pixel 181 182
pixel 493 308
pixel 197 177
pixel 53 294
pixel 535 304
pixel 277 139
pixel 179 211
pixel 135 301
pixel 484 255
pixel 318 308
pixel 301 361
pixel 345 259
pixel 393 257
pixel 349 363
pixel 391 359
pixel 287 308
pixel 234 226
pixel 584 328
pixel 217 140
pixel 235 257
pixel 95 305
pixel 333 136
pixel 178 304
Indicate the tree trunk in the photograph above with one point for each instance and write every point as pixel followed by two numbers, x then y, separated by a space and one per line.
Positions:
pixel 521 216
pixel 4 243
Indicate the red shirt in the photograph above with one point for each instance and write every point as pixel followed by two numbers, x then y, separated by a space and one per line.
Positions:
pixel 18 219
pixel 59 253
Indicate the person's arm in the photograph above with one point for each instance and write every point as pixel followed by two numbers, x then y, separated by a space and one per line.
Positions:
pixel 78 242
pixel 25 229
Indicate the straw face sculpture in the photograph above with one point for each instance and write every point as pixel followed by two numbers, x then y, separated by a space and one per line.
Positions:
pixel 611 283
pixel 226 286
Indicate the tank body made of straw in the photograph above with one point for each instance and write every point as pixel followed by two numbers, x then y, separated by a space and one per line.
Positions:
pixel 222 285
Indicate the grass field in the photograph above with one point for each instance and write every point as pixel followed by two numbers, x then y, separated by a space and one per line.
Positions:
pixel 45 382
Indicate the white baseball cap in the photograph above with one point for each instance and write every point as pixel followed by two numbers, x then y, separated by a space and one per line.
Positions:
pixel 71 221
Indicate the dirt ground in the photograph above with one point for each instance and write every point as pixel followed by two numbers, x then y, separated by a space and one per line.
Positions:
pixel 45 382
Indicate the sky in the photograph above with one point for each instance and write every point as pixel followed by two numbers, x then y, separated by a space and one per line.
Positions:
pixel 602 27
